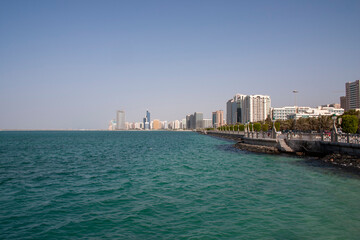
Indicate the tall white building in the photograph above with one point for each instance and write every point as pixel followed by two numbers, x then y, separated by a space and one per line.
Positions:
pixel 260 107
pixel 120 120
pixel 183 123
pixel 248 108
pixel 176 124
pixel 164 125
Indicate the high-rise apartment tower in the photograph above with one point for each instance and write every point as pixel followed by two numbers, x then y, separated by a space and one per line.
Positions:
pixel 352 95
pixel 218 118
pixel 248 108
pixel 120 120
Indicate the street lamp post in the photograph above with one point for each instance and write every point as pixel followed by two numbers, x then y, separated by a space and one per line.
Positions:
pixel 295 92
pixel 248 130
pixel 273 132
pixel 334 131
pixel 296 109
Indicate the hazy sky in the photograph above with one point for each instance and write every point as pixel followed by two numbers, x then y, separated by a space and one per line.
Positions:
pixel 72 64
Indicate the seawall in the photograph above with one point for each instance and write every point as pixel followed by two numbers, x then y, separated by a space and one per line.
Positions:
pixel 340 154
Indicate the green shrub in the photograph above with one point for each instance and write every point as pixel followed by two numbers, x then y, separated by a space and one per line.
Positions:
pixel 265 127
pixel 241 127
pixel 257 127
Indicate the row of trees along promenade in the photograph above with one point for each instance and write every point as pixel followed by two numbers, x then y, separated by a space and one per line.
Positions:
pixel 349 122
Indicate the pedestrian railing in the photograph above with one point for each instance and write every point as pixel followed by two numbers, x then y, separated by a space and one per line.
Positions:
pixel 324 136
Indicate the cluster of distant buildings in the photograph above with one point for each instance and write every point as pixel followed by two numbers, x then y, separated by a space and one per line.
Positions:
pixel 192 121
pixel 257 108
pixel 244 109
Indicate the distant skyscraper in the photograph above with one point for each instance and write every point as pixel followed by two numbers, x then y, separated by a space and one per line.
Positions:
pixel 147 120
pixel 183 123
pixel 176 124
pixel 229 111
pixel 218 118
pixel 148 116
pixel 352 95
pixel 187 122
pixel 156 124
pixel 120 120
pixel 198 119
pixel 343 102
pixel 164 125
pixel 194 121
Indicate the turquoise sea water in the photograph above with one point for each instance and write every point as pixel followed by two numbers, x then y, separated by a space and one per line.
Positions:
pixel 166 185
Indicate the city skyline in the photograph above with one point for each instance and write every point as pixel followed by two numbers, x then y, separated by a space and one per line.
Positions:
pixel 70 65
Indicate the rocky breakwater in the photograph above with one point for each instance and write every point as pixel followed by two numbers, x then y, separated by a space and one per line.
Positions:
pixel 300 148
pixel 256 148
pixel 341 160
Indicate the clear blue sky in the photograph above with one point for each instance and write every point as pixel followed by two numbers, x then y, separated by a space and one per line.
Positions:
pixel 72 64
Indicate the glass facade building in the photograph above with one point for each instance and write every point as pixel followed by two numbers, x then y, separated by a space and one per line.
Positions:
pixel 146 121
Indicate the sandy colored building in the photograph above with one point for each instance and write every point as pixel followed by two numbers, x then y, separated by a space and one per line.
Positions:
pixel 156 124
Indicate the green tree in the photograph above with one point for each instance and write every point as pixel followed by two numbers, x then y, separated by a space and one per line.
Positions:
pixel 352 112
pixel 241 127
pixel 314 124
pixel 349 123
pixel 325 122
pixel 282 125
pixel 236 128
pixel 303 124
pixel 268 122
pixel 277 126
pixel 265 127
pixel 257 127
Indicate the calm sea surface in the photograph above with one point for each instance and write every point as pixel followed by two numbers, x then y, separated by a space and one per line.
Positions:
pixel 166 185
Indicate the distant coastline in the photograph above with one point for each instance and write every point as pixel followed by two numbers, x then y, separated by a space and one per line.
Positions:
pixel 91 130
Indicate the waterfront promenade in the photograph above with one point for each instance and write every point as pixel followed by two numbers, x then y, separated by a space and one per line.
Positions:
pixel 307 143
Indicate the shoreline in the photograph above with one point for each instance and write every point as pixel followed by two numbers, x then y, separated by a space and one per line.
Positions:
pixel 342 161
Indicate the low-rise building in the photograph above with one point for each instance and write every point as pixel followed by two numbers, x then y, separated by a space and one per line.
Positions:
pixel 282 113
pixel 294 112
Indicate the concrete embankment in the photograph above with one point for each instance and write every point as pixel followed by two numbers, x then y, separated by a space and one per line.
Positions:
pixel 339 154
pixel 250 144
pixel 256 148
